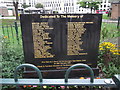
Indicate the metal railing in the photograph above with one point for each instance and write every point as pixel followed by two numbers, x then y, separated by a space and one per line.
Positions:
pixel 118 24
pixel 115 82
pixel 12 33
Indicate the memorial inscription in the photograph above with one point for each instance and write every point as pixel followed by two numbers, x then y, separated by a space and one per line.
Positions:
pixel 54 42
pixel 40 50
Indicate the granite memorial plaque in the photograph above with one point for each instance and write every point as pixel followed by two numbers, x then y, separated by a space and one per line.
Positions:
pixel 54 42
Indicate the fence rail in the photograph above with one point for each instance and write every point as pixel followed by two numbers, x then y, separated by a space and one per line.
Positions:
pixel 12 33
pixel 111 83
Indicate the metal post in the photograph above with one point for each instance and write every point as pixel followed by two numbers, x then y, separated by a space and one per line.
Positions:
pixel 30 66
pixel 16 28
pixel 118 23
pixel 7 28
pixel 3 30
pixel 80 65
pixel 12 33
pixel 116 79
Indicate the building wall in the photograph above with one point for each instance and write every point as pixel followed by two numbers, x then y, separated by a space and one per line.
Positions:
pixel 3 11
pixel 30 2
pixel 71 6
pixel 62 6
pixel 9 3
pixel 105 5
pixel 115 11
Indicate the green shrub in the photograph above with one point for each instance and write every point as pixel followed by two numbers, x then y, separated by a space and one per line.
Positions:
pixel 109 61
pixel 105 16
pixel 108 31
pixel 12 56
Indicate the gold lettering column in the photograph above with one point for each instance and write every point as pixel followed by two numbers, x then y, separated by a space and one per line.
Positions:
pixel 75 31
pixel 40 49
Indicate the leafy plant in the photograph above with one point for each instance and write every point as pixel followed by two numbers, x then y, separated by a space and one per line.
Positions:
pixel 109 30
pixel 12 56
pixel 39 5
pixel 92 5
pixel 25 6
pixel 105 16
pixel 109 59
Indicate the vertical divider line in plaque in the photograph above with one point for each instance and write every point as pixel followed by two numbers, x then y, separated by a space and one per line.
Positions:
pixel 57 32
pixel 63 26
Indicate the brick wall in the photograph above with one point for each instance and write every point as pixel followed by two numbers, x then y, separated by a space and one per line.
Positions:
pixel 115 13
pixel 3 11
